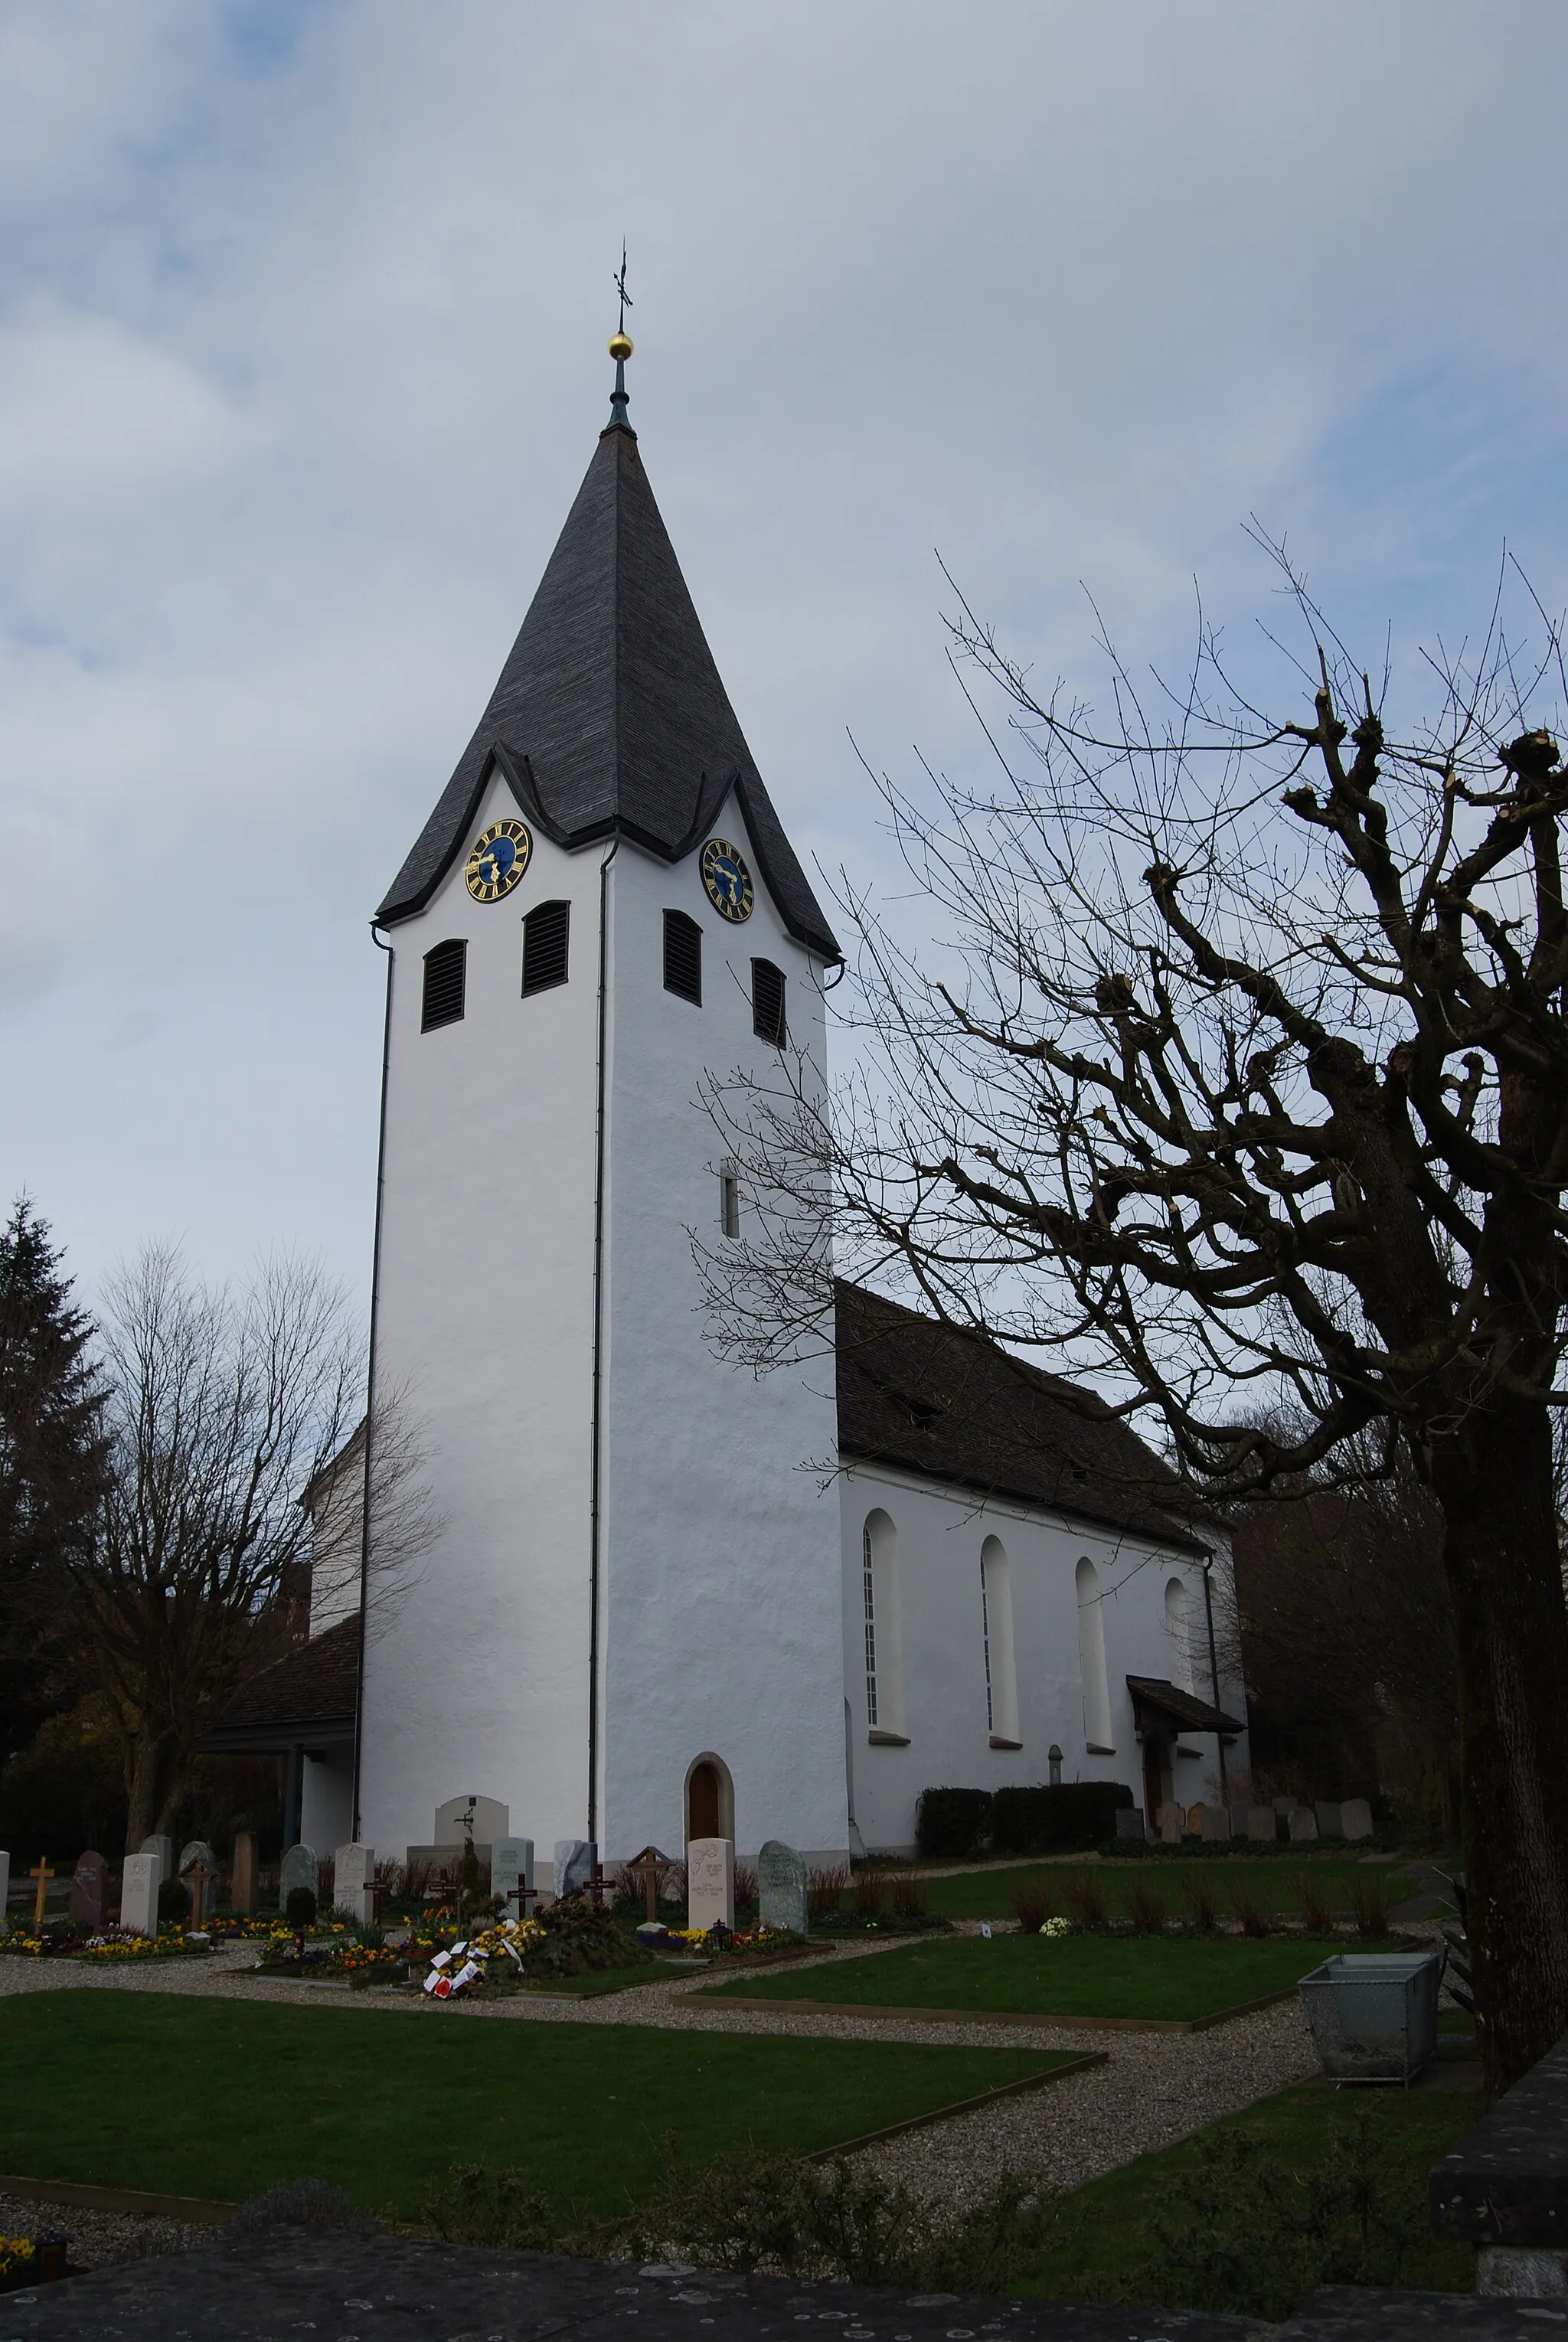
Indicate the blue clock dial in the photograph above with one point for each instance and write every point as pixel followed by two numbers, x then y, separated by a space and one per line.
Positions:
pixel 726 881
pixel 498 860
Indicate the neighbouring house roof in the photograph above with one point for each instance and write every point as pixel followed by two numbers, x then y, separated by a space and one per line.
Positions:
pixel 304 1700
pixel 1167 1708
pixel 610 717
pixel 956 1407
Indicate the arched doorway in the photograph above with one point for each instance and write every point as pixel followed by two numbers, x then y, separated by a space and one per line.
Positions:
pixel 710 1798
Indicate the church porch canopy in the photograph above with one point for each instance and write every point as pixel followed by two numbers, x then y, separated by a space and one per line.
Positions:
pixel 1162 1706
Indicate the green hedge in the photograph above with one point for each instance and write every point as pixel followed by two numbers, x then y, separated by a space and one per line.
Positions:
pixel 953 1822
pixel 1066 1820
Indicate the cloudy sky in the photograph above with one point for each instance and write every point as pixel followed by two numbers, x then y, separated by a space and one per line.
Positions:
pixel 303 309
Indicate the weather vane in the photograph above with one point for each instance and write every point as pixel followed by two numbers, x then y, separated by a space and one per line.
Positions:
pixel 621 350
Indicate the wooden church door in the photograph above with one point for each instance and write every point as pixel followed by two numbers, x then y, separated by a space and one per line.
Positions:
pixel 704 1802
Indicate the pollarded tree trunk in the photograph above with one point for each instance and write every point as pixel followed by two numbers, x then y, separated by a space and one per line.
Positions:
pixel 1494 1478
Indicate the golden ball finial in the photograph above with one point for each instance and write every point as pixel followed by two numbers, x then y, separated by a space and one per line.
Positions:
pixel 620 347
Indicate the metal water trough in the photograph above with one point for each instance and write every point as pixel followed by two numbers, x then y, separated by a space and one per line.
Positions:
pixel 1373 2015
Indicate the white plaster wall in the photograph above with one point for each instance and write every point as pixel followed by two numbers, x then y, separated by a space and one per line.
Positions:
pixel 327 1802
pixel 940 1533
pixel 722 1590
pixel 478 1683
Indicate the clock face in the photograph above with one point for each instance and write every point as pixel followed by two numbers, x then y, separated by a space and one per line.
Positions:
pixel 499 858
pixel 726 880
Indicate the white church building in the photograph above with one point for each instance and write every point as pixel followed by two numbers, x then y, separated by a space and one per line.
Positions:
pixel 655 1609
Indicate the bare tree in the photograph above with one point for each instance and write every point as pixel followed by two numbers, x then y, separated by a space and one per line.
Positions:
pixel 222 1410
pixel 1241 1087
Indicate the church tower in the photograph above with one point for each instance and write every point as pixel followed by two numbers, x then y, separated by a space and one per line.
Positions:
pixel 630 1626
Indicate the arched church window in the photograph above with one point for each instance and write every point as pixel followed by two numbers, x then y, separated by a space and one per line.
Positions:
pixel 545 933
pixel 682 956
pixel 445 968
pixel 1092 1659
pixel 768 1022
pixel 883 1643
pixel 1178 1629
pixel 996 1629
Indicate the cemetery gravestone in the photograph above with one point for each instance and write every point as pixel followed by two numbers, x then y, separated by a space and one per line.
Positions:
pixel 1196 1820
pixel 1330 1820
pixel 1261 1823
pixel 1303 1826
pixel 576 1860
pixel 163 1847
pixel 1130 1822
pixel 194 1850
pixel 1285 1805
pixel 711 1883
pixel 1168 1822
pixel 139 1884
pixel 511 1869
pixel 484 1820
pixel 5 1889
pixel 298 1869
pixel 781 1887
pixel 1239 1820
pixel 199 1879
pixel 1216 1821
pixel 1355 1820
pixel 354 1881
pixel 243 1883
pixel 88 1884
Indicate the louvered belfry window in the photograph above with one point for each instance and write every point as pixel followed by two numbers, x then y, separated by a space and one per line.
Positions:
pixel 682 956
pixel 544 937
pixel 444 971
pixel 768 1003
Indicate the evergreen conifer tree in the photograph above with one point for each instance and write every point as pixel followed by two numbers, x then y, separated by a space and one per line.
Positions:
pixel 52 1455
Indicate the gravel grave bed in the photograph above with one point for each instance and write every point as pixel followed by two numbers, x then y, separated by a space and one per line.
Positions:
pixel 99 2239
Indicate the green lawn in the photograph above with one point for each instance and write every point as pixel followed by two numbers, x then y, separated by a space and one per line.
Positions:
pixel 220 2098
pixel 1180 1977
pixel 1105 2236
pixel 988 1894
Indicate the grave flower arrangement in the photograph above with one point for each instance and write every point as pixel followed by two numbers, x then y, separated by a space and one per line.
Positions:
pixel 30 2260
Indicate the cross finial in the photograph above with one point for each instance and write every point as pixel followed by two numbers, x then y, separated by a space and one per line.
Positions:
pixel 621 350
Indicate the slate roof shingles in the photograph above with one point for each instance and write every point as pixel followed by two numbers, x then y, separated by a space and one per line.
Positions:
pixel 610 716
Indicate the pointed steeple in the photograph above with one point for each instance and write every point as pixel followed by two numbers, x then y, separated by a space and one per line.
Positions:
pixel 610 716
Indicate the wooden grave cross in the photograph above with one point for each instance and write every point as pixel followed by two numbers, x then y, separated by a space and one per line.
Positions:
pixel 650 1867
pixel 201 1878
pixel 43 1875
pixel 522 1894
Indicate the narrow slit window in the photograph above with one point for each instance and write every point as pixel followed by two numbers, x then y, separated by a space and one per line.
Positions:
pixel 768 1003
pixel 445 970
pixel 545 932
pixel 730 1201
pixel 867 1556
pixel 682 956
pixel 985 1641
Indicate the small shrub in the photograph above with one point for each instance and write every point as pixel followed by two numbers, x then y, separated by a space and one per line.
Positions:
pixel 475 2206
pixel 313 2203
pixel 911 1895
pixel 299 1911
pixel 417 1876
pixel 1034 1902
pixel 1198 1895
pixel 953 1823
pixel 1146 1908
pixel 1371 1907
pixel 868 1888
pixel 824 1892
pixel 1086 1901
pixel 1251 1909
pixel 756 2210
pixel 174 1902
pixel 747 1891
pixel 1316 1910
pixel 1071 1819
pixel 368 1935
